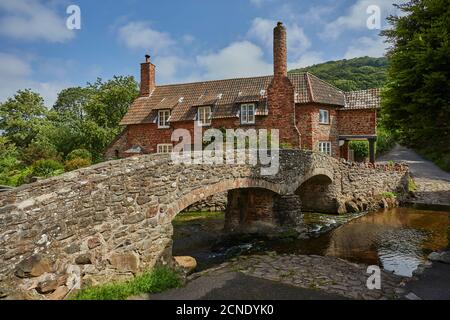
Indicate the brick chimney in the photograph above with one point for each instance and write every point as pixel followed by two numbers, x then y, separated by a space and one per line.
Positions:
pixel 281 92
pixel 147 77
pixel 279 51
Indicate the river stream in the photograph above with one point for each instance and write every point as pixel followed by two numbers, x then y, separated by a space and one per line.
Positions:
pixel 398 240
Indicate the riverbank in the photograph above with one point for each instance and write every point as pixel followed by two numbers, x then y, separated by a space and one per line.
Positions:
pixel 304 277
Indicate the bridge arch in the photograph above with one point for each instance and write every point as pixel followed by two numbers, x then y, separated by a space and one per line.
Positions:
pixel 223 186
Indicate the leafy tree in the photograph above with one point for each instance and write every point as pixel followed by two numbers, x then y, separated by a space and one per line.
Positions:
pixel 71 103
pixel 21 117
pixel 416 101
pixel 109 101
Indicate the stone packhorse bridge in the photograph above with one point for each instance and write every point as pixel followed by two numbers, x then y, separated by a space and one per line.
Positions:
pixel 113 220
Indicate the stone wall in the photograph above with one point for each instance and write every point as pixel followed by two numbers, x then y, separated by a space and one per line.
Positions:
pixel 113 220
pixel 214 203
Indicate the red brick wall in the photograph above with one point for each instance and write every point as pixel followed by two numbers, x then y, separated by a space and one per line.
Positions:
pixel 357 122
pixel 312 131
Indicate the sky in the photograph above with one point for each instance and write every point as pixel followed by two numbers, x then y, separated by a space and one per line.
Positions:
pixel 188 40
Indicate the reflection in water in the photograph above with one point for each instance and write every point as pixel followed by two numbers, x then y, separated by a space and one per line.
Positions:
pixel 398 239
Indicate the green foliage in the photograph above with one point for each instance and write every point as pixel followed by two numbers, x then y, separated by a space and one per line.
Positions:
pixel 352 74
pixel 411 185
pixel 361 149
pixel 21 117
pixel 158 280
pixel 81 124
pixel 109 101
pixel 38 150
pixel 416 100
pixel 46 168
pixel 71 102
pixel 76 163
pixel 391 195
pixel 79 153
pixel 385 141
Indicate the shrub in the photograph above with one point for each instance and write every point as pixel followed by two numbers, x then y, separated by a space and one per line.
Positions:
pixel 76 163
pixel 39 150
pixel 385 141
pixel 391 195
pixel 155 281
pixel 361 149
pixel 79 154
pixel 411 185
pixel 45 168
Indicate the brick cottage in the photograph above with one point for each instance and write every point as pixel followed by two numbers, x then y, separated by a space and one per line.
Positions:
pixel 309 112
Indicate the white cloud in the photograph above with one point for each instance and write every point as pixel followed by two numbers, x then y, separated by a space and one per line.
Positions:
pixel 31 20
pixel 260 3
pixel 356 17
pixel 15 74
pixel 239 59
pixel 307 59
pixel 262 31
pixel 139 35
pixel 366 46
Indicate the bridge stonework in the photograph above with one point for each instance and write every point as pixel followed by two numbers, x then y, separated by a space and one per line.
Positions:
pixel 113 220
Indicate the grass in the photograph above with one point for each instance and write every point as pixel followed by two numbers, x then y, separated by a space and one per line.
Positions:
pixel 411 185
pixel 155 281
pixel 391 195
pixel 188 217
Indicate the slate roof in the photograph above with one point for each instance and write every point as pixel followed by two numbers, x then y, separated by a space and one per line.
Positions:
pixel 225 96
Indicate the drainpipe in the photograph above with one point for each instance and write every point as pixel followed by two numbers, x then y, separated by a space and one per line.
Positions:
pixel 296 128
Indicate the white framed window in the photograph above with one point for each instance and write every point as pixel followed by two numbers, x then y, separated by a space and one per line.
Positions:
pixel 324 116
pixel 325 147
pixel 164 148
pixel 163 119
pixel 248 113
pixel 204 116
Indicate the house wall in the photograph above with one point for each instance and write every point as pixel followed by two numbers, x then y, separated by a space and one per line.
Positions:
pixel 354 122
pixel 312 131
pixel 357 122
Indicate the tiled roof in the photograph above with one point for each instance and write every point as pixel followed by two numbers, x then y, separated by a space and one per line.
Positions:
pixel 224 97
pixel 362 99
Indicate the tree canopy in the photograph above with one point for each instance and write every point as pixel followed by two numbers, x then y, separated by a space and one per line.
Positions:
pixel 416 100
pixel 351 74
pixel 83 120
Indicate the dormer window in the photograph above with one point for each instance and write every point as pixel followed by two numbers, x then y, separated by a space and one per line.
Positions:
pixel 163 119
pixel 324 116
pixel 248 113
pixel 204 116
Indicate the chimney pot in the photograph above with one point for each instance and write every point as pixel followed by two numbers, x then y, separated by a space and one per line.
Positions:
pixel 148 83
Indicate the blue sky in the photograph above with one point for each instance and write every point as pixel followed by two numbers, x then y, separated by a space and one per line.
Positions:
pixel 188 40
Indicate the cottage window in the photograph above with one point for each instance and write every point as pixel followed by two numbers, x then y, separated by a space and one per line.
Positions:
pixel 164 148
pixel 163 119
pixel 325 147
pixel 324 117
pixel 204 116
pixel 248 113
